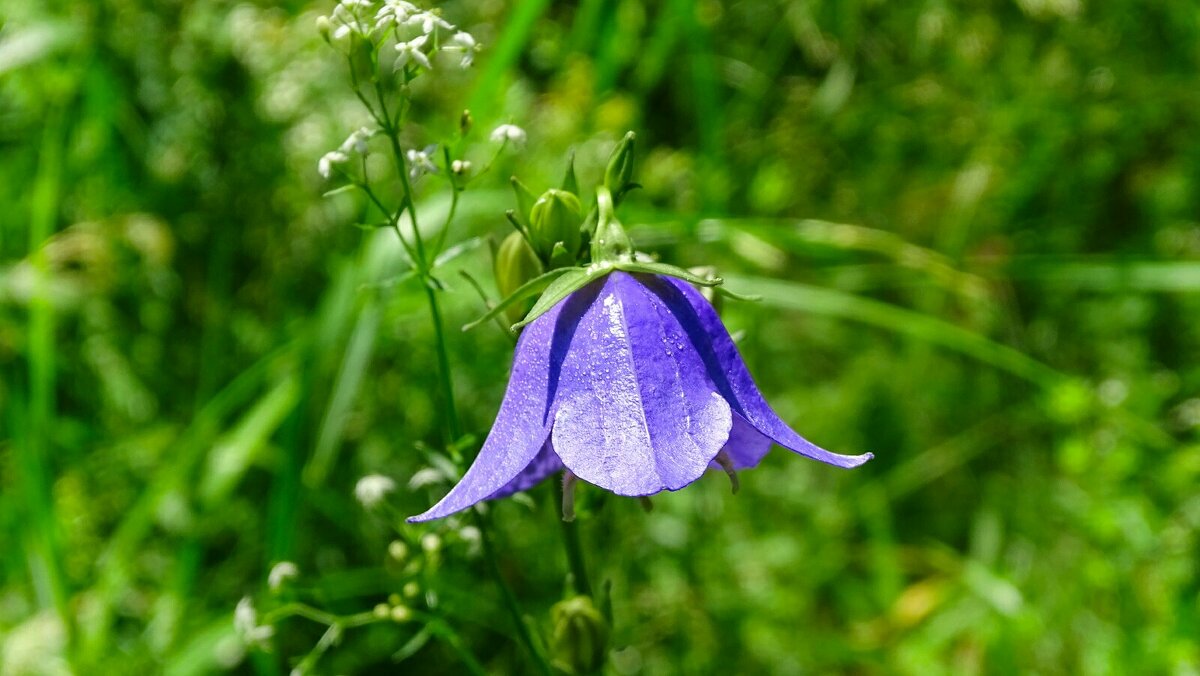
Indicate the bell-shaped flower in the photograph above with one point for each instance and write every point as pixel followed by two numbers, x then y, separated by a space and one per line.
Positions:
pixel 631 383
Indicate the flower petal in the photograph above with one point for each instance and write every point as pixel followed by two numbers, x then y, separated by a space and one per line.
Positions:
pixel 728 371
pixel 523 423
pixel 544 464
pixel 636 411
pixel 746 446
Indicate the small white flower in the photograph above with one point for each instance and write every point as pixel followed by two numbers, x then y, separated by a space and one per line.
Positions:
pixel 428 21
pixel 245 623
pixel 328 160
pixel 465 43
pixel 460 168
pixel 357 141
pixel 411 51
pixel 394 12
pixel 430 542
pixel 509 133
pixel 372 489
pixel 420 163
pixel 281 573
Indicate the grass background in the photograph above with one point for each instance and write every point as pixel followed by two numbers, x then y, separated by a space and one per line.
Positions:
pixel 976 228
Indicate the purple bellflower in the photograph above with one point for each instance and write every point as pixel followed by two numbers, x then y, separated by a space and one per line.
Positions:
pixel 631 383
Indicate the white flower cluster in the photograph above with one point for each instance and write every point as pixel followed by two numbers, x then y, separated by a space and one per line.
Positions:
pixel 411 26
pixel 355 142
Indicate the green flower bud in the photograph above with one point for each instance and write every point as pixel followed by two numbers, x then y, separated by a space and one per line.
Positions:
pixel 516 263
pixel 580 643
pixel 555 218
pixel 618 177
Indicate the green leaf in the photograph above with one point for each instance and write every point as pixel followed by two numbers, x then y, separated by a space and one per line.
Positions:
pixel 527 290
pixel 574 280
pixel 337 191
pixel 457 250
pixel 669 271
pixel 933 330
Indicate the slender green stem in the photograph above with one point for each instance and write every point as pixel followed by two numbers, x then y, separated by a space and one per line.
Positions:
pixel 451 410
pixel 510 599
pixel 574 549
pixel 422 266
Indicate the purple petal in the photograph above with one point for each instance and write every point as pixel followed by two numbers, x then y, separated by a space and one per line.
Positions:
pixel 746 446
pixel 636 411
pixel 728 371
pixel 523 424
pixel 543 465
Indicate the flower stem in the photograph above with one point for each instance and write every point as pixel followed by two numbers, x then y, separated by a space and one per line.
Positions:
pixel 423 264
pixel 450 409
pixel 510 599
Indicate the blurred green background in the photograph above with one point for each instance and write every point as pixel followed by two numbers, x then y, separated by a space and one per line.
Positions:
pixel 976 228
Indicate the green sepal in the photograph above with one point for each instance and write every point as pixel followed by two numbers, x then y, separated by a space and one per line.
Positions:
pixel 511 215
pixel 525 200
pixel 528 289
pixel 569 182
pixel 669 271
pixel 748 297
pixel 560 257
pixel 567 284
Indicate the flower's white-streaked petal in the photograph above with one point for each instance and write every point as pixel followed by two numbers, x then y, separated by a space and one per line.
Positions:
pixel 732 378
pixel 636 411
pixel 525 416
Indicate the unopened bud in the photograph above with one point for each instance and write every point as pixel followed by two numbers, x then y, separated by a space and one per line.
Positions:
pixel 618 177
pixel 324 27
pixel 397 550
pixel 555 218
pixel 516 263
pixel 464 122
pixel 580 642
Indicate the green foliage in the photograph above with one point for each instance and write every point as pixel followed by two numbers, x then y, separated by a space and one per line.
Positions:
pixel 200 358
